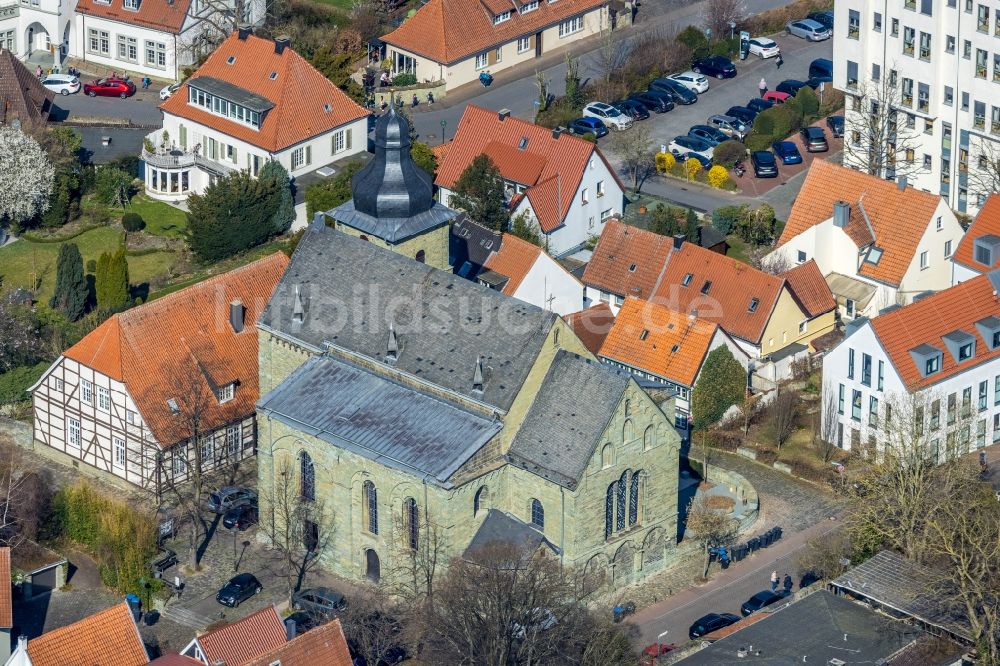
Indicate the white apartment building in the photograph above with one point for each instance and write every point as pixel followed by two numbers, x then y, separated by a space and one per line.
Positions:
pixel 931 368
pixel 252 101
pixel 945 60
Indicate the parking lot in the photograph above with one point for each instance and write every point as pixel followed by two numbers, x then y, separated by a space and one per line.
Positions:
pixel 140 109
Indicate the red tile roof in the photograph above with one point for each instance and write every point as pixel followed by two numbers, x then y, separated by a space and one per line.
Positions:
pixel 107 638
pixel 300 94
pixel 728 300
pixel 6 596
pixel 987 223
pixel 810 288
pixel 186 334
pixel 898 217
pixel 243 641
pixel 592 325
pixel 447 34
pixel 929 319
pixel 514 259
pixel 654 338
pixel 550 168
pixel 620 247
pixel 174 659
pixel 323 646
pixel 164 15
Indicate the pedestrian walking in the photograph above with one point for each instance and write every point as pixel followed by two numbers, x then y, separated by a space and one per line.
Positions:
pixel 780 61
pixel 774 581
pixel 762 86
pixel 787 584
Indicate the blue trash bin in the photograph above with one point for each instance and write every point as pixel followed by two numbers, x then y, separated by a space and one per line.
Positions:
pixel 753 544
pixel 618 613
pixel 777 533
pixel 765 539
pixel 134 606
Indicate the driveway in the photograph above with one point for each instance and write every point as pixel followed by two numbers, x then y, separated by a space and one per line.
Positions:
pixel 140 109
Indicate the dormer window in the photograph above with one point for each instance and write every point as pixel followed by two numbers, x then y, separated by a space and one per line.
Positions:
pixel 986 249
pixel 927 359
pixel 753 305
pixel 962 345
pixel 225 393
pixel 989 329
pixel 932 365
pixel 529 6
pixel 687 279
pixel 132 5
pixel 966 351
pixel 705 287
pixel 501 17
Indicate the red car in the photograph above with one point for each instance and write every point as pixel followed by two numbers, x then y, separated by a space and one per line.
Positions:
pixel 110 88
pixel 652 652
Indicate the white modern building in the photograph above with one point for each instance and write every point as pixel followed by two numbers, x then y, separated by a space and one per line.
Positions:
pixel 931 368
pixel 945 60
pixel 561 182
pixel 877 243
pixel 252 101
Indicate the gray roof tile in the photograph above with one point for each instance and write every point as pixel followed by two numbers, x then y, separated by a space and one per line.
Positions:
pixel 502 527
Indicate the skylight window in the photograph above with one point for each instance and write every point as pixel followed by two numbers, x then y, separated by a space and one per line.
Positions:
pixel 874 254
pixel 327 108
pixel 673 350
pixel 644 334
pixel 753 305
pixel 230 60
pixel 631 269
pixel 687 279
pixel 705 287
pixel 273 76
pixel 523 143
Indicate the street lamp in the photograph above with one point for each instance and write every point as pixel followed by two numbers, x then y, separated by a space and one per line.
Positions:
pixel 732 29
pixel 443 124
pixel 235 563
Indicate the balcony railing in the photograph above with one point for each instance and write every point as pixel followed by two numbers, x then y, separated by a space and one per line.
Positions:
pixel 176 158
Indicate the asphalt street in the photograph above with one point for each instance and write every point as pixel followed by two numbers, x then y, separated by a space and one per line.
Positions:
pixel 140 109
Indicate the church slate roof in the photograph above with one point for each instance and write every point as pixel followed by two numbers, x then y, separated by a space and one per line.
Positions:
pixel 378 418
pixel 350 292
pixel 502 527
pixel 558 436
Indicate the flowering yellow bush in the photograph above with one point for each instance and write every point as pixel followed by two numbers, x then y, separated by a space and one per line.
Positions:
pixel 665 162
pixel 692 167
pixel 717 176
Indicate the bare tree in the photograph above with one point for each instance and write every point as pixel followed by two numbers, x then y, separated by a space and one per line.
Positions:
pixel 825 557
pixel 373 626
pixel 634 147
pixel 984 172
pixel 24 495
pixel 721 14
pixel 708 527
pixel 763 257
pixel 542 84
pixel 612 54
pixel 878 138
pixel 419 554
pixel 784 411
pixel 295 524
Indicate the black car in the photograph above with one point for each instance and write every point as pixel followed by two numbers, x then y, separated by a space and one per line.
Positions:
pixel 821 67
pixel 836 125
pixel 319 601
pixel 679 92
pixel 759 601
pixel 764 164
pixel 814 139
pixel 790 86
pixel 632 108
pixel 708 134
pixel 757 104
pixel 825 19
pixel 711 622
pixel 718 66
pixel 238 589
pixel 654 101
pixel 815 81
pixel 303 622
pixel 240 517
pixel 742 113
pixel 224 499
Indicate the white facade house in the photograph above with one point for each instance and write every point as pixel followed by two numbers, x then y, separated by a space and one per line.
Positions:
pixel 253 101
pixel 876 242
pixel 945 60
pixel 930 368
pixel 37 25
pixel 562 183
pixel 524 271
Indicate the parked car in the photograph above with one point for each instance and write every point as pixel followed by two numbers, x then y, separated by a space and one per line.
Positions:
pixel 824 18
pixel 764 47
pixel 758 601
pixel 165 558
pixel 836 125
pixel 592 125
pixel 692 81
pixel 720 67
pixel 654 101
pixel 224 499
pixel 734 127
pixel 110 88
pixel 682 146
pixel 764 164
pixel 652 652
pixel 303 622
pixel 239 588
pixel 808 29
pixel 240 517
pixel 706 162
pixel 790 87
pixel 632 108
pixel 538 620
pixel 757 104
pixel 814 139
pixel 609 115
pixel 815 81
pixel 679 93
pixel 787 152
pixel 821 67
pixel 64 84
pixel 711 622
pixel 742 113
pixel 319 601
pixel 169 90
pixel 710 135
pixel 776 96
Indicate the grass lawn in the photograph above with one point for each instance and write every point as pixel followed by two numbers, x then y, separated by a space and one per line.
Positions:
pixel 737 248
pixel 161 219
pixel 147 267
pixel 339 4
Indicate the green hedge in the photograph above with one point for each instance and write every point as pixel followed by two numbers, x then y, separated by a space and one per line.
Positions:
pixel 14 383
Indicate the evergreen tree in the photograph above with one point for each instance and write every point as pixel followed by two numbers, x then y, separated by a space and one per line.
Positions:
pixel 525 228
pixel 101 279
pixel 424 158
pixel 70 296
pixel 115 287
pixel 721 384
pixel 662 220
pixel 285 213
pixel 691 226
pixel 332 192
pixel 480 191
pixel 235 213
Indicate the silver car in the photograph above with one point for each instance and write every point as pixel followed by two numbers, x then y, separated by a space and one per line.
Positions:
pixel 808 29
pixel 729 126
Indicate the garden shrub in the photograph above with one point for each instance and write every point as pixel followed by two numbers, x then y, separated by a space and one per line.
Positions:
pixel 728 153
pixel 665 162
pixel 404 79
pixel 693 38
pixel 757 142
pixel 726 218
pixel 764 122
pixel 717 176
pixel 808 102
pixel 133 222
pixel 692 167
